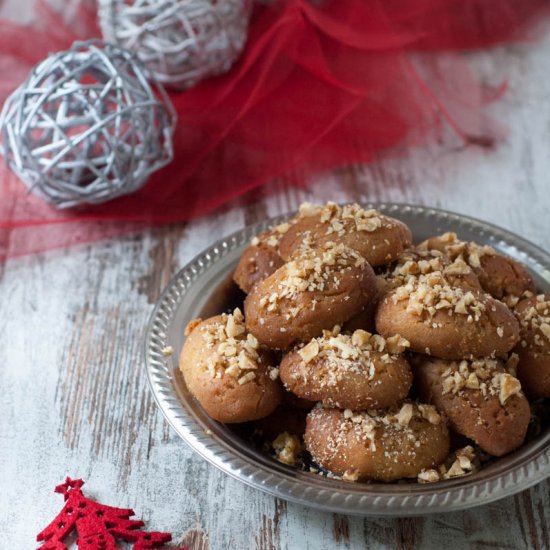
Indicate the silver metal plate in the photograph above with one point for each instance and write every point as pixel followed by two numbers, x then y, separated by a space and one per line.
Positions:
pixel 204 288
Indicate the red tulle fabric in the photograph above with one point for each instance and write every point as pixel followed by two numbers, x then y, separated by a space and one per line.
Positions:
pixel 319 85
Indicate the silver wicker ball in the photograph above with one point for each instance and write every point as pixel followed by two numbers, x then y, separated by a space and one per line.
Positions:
pixel 87 126
pixel 180 41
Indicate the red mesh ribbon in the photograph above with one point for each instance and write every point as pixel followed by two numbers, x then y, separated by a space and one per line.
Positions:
pixel 319 85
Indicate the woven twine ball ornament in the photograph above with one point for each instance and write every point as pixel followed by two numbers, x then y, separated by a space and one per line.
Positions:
pixel 87 126
pixel 180 41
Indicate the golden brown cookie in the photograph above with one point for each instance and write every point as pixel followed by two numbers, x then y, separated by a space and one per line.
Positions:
pixel 480 398
pixel 499 275
pixel 385 446
pixel 227 371
pixel 259 260
pixel 447 322
pixel 359 371
pixel 323 287
pixel 378 238
pixel 533 369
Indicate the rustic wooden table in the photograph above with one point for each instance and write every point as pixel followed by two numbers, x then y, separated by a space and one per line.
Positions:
pixel 75 399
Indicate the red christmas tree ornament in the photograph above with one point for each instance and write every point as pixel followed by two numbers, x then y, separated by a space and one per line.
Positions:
pixel 97 526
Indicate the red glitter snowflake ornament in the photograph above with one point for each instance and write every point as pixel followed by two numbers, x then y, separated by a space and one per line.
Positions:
pixel 97 526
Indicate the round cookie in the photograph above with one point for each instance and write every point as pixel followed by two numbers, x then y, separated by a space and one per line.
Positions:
pixel 447 322
pixel 384 446
pixel 533 350
pixel 259 260
pixel 480 399
pixel 315 291
pixel 358 372
pixel 499 275
pixel 227 371
pixel 378 238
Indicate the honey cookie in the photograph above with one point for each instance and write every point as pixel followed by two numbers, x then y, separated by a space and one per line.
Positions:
pixel 317 290
pixel 447 322
pixel 374 445
pixel 480 398
pixel 227 371
pixel 499 275
pixel 378 238
pixel 358 371
pixel 259 260
pixel 533 349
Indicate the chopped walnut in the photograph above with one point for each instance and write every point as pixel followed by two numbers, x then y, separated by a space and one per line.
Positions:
pixel 273 373
pixel 468 252
pixel 458 267
pixel 287 448
pixel 428 294
pixel 272 241
pixel 282 228
pixel 545 329
pixel 512 363
pixel 535 323
pixel 459 463
pixel 428 476
pixel 360 337
pixel 429 412
pixel 272 236
pixel 167 351
pixel 351 475
pixel 508 386
pixel 342 219
pixel 309 209
pixel 396 344
pixel 405 414
pixel 309 352
pixel 487 376
pixel 472 382
pixel 462 464
pixel 465 457
pixel 236 353
pixel 248 377
pixel 455 470
pixel 233 326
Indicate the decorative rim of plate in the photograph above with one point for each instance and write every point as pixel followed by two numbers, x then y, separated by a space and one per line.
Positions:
pixel 309 489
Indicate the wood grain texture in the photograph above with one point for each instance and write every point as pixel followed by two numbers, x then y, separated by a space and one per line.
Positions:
pixel 75 399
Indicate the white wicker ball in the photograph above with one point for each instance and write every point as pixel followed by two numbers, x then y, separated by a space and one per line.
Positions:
pixel 180 41
pixel 87 126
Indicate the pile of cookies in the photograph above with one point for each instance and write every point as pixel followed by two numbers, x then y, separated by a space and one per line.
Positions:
pixel 368 358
